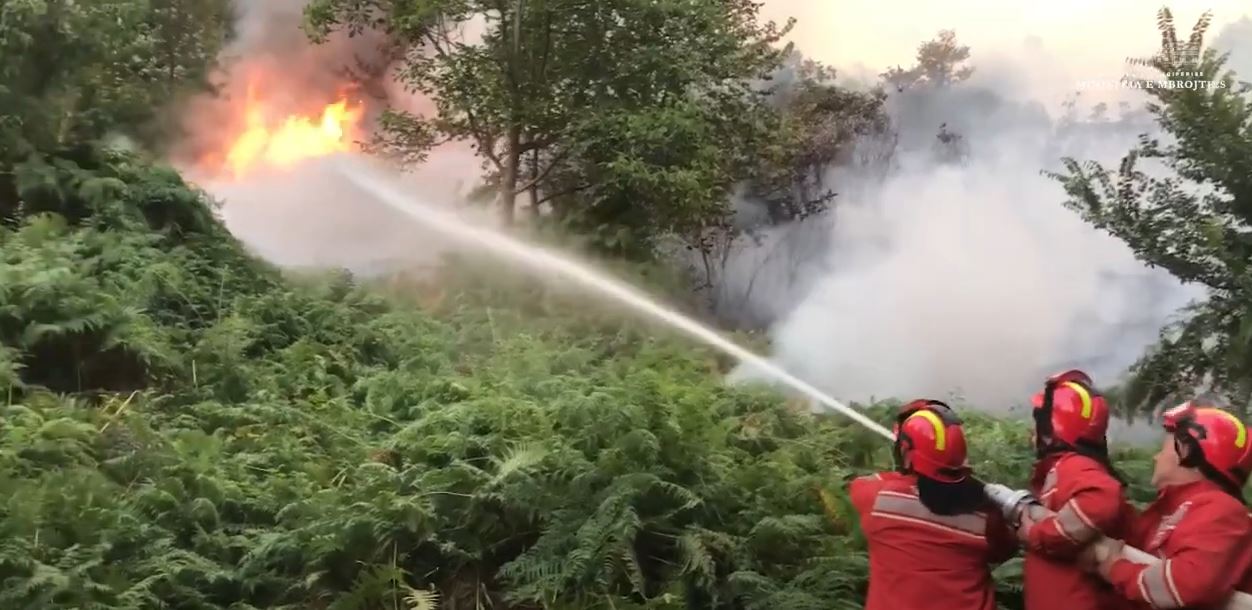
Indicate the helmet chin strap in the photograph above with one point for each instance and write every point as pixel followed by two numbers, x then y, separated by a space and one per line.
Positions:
pixel 898 452
pixel 1189 455
pixel 1044 444
pixel 1043 420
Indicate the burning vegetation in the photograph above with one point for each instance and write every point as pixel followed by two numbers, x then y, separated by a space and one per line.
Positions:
pixel 263 129
pixel 280 140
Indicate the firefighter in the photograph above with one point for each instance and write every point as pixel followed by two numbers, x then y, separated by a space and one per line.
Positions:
pixel 931 533
pixel 1199 525
pixel 1074 480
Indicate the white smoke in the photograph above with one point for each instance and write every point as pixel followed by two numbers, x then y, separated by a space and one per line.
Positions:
pixel 1236 39
pixel 307 216
pixel 962 279
pixel 970 279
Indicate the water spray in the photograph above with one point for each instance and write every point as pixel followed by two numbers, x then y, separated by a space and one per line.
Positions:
pixel 1014 503
pixel 544 260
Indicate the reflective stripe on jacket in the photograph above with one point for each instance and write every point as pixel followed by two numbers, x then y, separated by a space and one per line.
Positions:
pixel 1087 502
pixel 923 561
pixel 1204 537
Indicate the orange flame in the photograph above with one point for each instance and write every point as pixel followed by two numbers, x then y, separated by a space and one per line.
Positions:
pixel 290 139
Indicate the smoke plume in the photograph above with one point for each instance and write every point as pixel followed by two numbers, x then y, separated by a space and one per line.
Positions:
pixel 1236 40
pixel 968 276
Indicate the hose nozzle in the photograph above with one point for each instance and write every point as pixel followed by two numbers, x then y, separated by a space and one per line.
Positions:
pixel 1012 502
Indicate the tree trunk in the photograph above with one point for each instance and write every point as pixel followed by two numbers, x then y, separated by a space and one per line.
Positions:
pixel 508 184
pixel 512 152
pixel 534 183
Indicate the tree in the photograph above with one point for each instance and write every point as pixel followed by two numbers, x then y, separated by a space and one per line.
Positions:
pixel 73 71
pixel 820 126
pixel 950 147
pixel 938 65
pixel 898 78
pixel 185 39
pixel 939 61
pixel 1099 113
pixel 613 113
pixel 1201 234
pixel 815 125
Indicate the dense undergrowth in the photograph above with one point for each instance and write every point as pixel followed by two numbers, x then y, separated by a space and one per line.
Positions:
pixel 185 428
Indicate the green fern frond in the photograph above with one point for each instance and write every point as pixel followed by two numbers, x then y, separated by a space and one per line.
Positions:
pixel 422 599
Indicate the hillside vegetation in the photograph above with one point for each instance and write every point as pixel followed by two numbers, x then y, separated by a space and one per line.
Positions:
pixel 185 428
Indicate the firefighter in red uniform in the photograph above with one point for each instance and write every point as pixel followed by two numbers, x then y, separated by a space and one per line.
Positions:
pixel 1073 479
pixel 1199 525
pixel 932 536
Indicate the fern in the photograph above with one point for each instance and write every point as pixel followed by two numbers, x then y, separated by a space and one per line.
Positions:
pixel 185 428
pixel 421 599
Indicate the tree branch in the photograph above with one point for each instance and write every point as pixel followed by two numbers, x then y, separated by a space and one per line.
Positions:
pixel 569 191
pixel 488 148
pixel 534 181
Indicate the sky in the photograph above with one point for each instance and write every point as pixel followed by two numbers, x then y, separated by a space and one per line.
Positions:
pixel 1060 40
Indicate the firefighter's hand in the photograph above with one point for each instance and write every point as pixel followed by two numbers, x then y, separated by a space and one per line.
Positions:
pixel 1109 552
pixel 1023 528
pixel 1099 556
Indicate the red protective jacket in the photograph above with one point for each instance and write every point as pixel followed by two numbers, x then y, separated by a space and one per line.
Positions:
pixel 1204 537
pixel 922 561
pixel 1087 501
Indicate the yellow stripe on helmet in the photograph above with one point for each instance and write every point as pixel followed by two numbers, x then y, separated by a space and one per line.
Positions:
pixel 941 436
pixel 1083 395
pixel 1241 430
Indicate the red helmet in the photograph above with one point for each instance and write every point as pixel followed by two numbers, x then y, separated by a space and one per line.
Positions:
pixel 1071 411
pixel 1220 438
pixel 929 434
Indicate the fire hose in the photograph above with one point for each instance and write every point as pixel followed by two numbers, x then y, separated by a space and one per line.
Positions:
pixel 1010 501
pixel 1015 503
